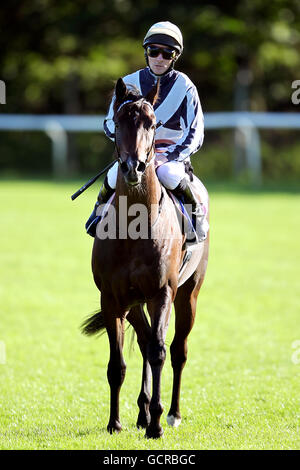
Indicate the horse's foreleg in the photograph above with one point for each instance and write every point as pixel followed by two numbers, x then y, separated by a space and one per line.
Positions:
pixel 116 368
pixel 159 309
pixel 138 320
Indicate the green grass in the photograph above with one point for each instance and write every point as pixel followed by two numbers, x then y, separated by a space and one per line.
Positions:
pixel 240 385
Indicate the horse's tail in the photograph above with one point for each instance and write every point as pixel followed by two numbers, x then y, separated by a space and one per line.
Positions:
pixel 93 324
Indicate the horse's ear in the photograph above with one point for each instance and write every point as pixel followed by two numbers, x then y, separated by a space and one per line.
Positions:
pixel 121 90
pixel 152 95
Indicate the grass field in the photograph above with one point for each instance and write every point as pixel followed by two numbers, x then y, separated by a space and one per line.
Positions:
pixel 241 382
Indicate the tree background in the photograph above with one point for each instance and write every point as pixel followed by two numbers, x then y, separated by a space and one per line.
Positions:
pixel 64 57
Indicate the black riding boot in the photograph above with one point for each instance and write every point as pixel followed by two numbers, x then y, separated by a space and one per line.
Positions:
pixel 104 194
pixel 185 193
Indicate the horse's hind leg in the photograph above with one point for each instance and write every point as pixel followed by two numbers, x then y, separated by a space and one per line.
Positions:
pixel 116 367
pixel 185 310
pixel 139 321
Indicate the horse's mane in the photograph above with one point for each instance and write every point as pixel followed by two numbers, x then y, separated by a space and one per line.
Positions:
pixel 135 95
pixel 133 92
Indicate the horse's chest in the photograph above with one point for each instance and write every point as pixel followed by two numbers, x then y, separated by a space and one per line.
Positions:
pixel 138 274
pixel 132 272
pixel 137 277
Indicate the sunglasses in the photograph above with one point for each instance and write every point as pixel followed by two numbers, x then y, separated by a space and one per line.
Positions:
pixel 167 53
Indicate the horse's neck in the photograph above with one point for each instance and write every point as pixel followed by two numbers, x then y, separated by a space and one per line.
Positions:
pixel 148 192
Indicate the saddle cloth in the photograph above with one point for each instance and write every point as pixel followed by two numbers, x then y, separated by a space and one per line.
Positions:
pixel 193 252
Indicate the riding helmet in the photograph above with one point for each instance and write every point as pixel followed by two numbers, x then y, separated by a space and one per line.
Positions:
pixel 165 33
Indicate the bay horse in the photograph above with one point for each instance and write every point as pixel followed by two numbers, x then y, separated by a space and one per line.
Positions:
pixel 131 272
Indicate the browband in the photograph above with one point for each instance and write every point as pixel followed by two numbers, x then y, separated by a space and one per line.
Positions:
pixel 122 104
pixel 131 101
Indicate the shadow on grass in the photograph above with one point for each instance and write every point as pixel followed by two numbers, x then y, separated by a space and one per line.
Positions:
pixel 268 187
pixel 90 431
pixel 213 185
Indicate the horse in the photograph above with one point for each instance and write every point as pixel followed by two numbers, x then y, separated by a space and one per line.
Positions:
pixel 131 272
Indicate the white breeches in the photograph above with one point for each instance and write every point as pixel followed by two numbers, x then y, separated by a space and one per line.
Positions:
pixel 169 174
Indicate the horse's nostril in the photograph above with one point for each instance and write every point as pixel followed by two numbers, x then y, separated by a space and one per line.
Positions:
pixel 133 166
pixel 141 167
pixel 124 167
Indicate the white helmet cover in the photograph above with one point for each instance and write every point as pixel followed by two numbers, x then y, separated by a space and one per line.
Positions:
pixel 165 33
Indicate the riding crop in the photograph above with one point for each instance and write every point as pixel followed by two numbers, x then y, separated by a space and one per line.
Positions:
pixel 91 181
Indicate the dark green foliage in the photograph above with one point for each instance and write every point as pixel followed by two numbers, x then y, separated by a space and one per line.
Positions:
pixel 64 57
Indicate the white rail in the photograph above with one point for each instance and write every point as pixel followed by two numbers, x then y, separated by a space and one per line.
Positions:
pixel 245 123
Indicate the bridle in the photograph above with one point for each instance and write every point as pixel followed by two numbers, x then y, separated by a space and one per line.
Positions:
pixel 147 161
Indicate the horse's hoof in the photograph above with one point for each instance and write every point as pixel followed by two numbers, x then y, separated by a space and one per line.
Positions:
pixel 154 433
pixel 114 427
pixel 173 421
pixel 141 425
pixel 143 422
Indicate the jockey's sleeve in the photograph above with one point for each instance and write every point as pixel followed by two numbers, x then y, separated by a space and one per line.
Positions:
pixel 192 122
pixel 109 125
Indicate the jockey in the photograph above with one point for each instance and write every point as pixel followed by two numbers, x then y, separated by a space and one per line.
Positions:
pixel 178 108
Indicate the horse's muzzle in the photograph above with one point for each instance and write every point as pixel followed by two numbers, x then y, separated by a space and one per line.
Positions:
pixel 133 170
